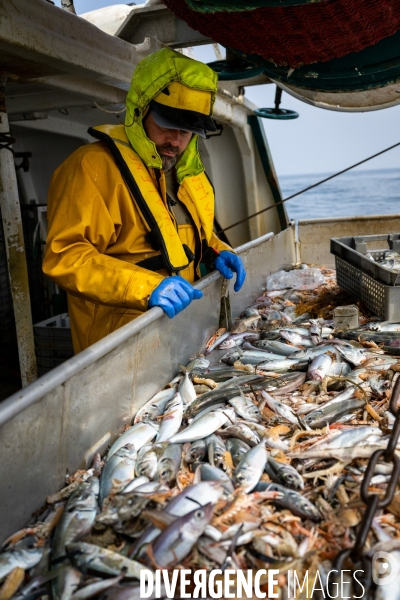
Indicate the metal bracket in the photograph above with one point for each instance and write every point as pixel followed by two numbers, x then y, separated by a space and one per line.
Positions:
pixel 157 21
pixel 225 317
pixel 25 160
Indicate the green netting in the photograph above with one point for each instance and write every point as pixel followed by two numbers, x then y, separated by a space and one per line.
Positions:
pixel 212 6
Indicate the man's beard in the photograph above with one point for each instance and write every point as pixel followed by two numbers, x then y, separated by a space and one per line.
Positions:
pixel 168 161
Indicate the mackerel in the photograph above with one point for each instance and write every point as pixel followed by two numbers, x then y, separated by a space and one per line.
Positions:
pixel 250 468
pixel 155 406
pixel 172 418
pixel 105 561
pixel 139 435
pixel 203 427
pixel 118 471
pixel 295 502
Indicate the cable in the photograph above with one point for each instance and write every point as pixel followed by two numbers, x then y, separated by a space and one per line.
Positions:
pixel 110 112
pixel 307 188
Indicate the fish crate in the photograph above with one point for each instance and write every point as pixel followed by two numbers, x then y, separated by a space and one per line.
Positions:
pixel 376 286
pixel 53 342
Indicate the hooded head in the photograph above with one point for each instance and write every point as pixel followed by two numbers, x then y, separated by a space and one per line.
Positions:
pixel 180 92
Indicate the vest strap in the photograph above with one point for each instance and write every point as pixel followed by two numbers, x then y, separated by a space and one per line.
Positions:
pixel 155 233
pixel 156 263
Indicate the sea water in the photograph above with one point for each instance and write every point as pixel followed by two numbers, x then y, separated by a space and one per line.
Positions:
pixel 355 193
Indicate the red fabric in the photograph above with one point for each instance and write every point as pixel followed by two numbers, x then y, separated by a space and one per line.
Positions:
pixel 298 35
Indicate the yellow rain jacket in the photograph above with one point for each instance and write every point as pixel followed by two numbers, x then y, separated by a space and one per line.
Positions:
pixel 97 228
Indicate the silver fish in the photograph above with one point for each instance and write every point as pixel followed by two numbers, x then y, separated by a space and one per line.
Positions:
pixel 279 365
pixel 169 464
pixel 319 367
pixel 279 408
pixel 378 385
pixel 245 323
pixel 76 521
pixel 151 487
pixel 225 390
pixel 237 339
pixel 155 406
pixel 276 347
pixel 197 363
pixel 237 448
pixel 245 408
pixel 203 427
pixel 334 409
pixel 284 474
pixel 196 451
pixel 339 369
pixel 172 418
pixel 382 326
pixel 206 472
pixel 348 437
pixel 299 505
pixel 146 461
pixel 118 471
pixel 216 450
pixel 315 330
pixel 25 555
pixel 311 353
pixel 248 357
pixel 242 432
pixel 217 342
pixel 177 540
pixel 186 390
pixel 273 442
pixel 96 588
pixel 105 561
pixel 139 435
pixel 356 356
pixel 296 338
pixel 190 498
pixel 250 468
pixel 78 516
pixel 134 484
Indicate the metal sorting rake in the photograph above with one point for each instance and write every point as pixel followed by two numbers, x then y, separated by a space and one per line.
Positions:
pixel 373 503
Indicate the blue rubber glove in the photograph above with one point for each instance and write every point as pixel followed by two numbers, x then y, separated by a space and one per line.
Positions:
pixel 227 264
pixel 173 295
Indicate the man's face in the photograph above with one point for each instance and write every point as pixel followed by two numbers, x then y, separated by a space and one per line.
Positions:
pixel 170 143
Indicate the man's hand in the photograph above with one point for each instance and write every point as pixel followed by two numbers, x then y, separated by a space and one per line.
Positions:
pixel 228 263
pixel 173 295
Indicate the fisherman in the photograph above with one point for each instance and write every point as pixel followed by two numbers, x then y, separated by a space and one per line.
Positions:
pixel 131 216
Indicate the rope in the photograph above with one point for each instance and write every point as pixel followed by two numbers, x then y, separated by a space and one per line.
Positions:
pixel 6 141
pixel 310 187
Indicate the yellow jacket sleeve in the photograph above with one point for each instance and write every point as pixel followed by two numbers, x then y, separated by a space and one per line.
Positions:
pixel 87 206
pixel 217 244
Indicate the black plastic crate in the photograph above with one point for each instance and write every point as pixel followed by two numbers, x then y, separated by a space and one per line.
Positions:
pixel 376 286
pixel 53 342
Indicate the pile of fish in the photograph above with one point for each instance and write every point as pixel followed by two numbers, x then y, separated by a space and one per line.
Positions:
pixel 251 457
pixel 390 260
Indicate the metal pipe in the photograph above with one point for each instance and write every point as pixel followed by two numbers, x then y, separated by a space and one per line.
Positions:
pixel 15 248
pixel 20 401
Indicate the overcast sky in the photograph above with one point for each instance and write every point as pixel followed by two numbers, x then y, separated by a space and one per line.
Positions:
pixel 319 141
